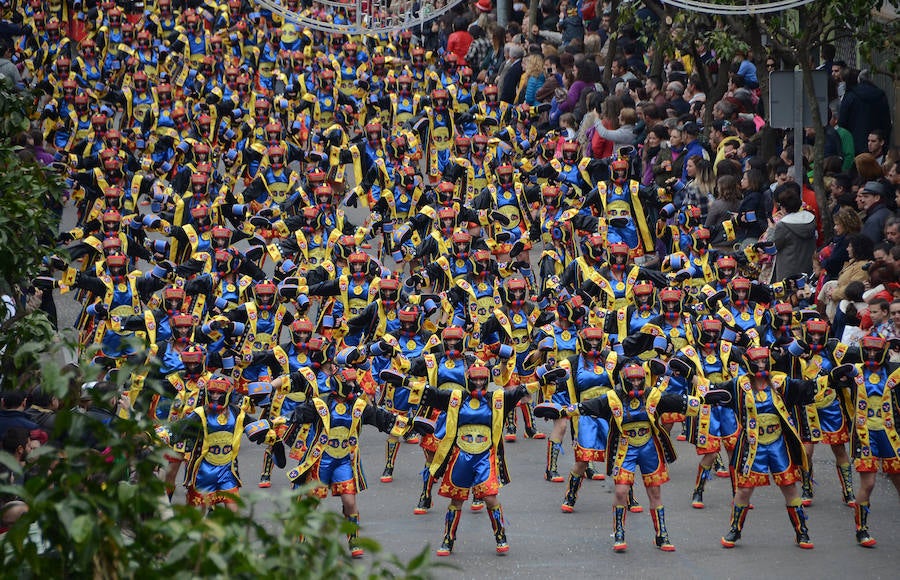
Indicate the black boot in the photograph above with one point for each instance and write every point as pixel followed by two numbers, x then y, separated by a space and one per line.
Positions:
pixel 451 522
pixel 738 515
pixel 619 512
pixel 806 487
pixel 798 520
pixel 553 450
pixel 390 456
pixel 846 477
pixel 703 473
pixel 510 435
pixel 593 474
pixel 355 551
pixel 633 505
pixel 496 517
pixel 568 504
pixel 658 515
pixel 425 497
pixel 861 512
pixel 528 416
pixel 265 477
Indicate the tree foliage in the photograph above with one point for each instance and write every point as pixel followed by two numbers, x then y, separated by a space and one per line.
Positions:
pixel 27 194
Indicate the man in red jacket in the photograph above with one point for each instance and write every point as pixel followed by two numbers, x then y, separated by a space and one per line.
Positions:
pixel 459 40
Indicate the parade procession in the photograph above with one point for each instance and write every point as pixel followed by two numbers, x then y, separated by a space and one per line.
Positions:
pixel 292 230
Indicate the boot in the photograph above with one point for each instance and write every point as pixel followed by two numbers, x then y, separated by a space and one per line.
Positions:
pixel 355 551
pixel 510 435
pixel 797 516
pixel 451 522
pixel 633 505
pixel 846 477
pixel 658 515
pixel 592 474
pixel 477 505
pixel 806 487
pixel 425 497
pixel 496 517
pixel 390 456
pixel 703 473
pixel 265 477
pixel 738 515
pixel 528 417
pixel 721 468
pixel 861 512
pixel 683 435
pixel 619 512
pixel 568 504
pixel 554 448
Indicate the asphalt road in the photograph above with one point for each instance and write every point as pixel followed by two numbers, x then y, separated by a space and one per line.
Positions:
pixel 546 543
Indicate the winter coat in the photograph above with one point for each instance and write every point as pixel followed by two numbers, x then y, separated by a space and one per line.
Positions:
pixel 795 239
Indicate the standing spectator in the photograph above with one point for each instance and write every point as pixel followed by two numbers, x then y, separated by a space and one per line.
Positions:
pixel 656 139
pixel 654 94
pixel 892 231
pixel 865 169
pixel 570 25
pixel 7 68
pixel 511 73
pixel 864 108
pixel 549 17
pixel 586 74
pixel 12 412
pixel 670 161
pixel 692 145
pixel 876 144
pixel 624 135
pixel 699 188
pixel 870 200
pixel 833 256
pixel 893 175
pixel 725 204
pixel 892 329
pixel 794 234
pixel 608 113
pixel 754 211
pixel 552 79
pixel 848 149
pixel 533 79
pixel 42 408
pixel 17 442
pixel 859 255
pixel 747 70
pixel 493 62
pixel 460 40
pixel 675 96
pixel 479 49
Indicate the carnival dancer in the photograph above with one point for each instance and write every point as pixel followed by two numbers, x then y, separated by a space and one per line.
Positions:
pixel 768 444
pixel 470 455
pixel 332 457
pixel 872 390
pixel 213 432
pixel 590 375
pixel 444 367
pixel 824 420
pixel 713 360
pixel 639 439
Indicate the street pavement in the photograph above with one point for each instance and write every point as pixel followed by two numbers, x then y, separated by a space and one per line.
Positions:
pixel 546 543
